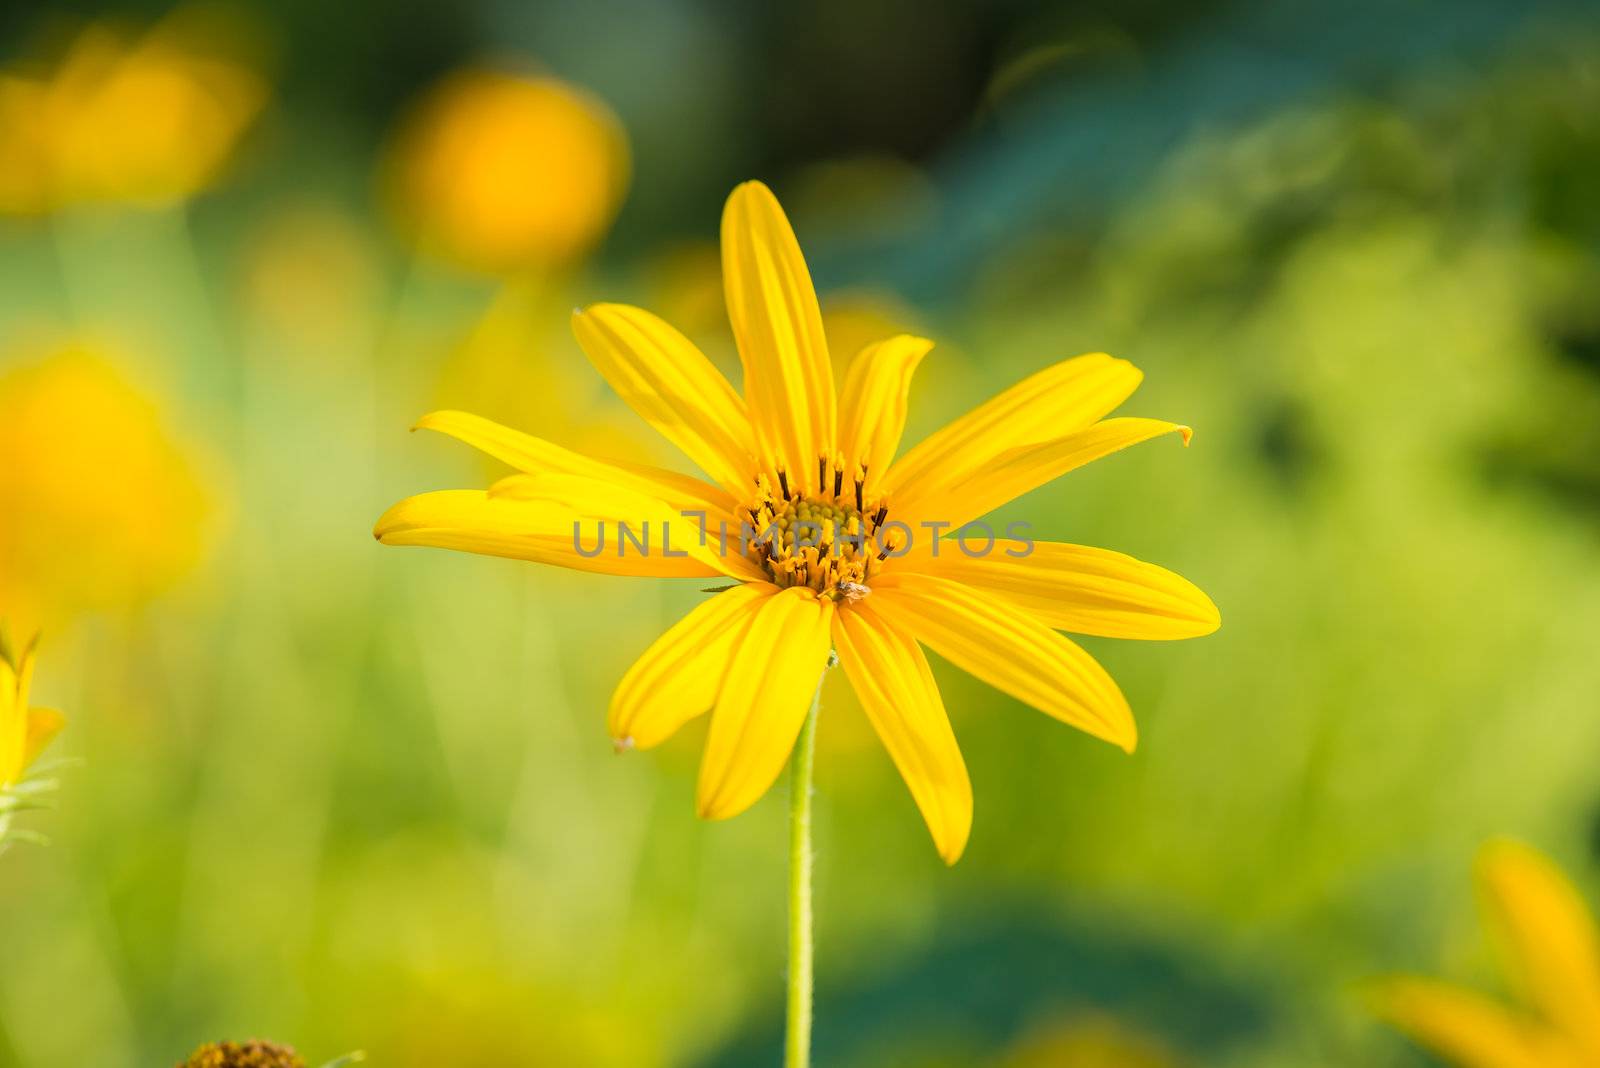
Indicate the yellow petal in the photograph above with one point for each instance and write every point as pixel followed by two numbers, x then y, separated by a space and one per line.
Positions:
pixel 13 721
pixel 17 721
pixel 1010 650
pixel 660 528
pixel 670 383
pixel 1072 587
pixel 1058 400
pixel 24 674
pixel 764 700
pixel 693 514
pixel 872 408
pixel 788 380
pixel 43 725
pixel 564 520
pixel 896 687
pixel 1548 936
pixel 678 677
pixel 537 456
pixel 682 492
pixel 1011 475
pixel 471 521
pixel 8 690
pixel 1468 1029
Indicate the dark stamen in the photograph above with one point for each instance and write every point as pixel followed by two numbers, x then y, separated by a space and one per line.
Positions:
pixel 838 481
pixel 822 474
pixel 783 481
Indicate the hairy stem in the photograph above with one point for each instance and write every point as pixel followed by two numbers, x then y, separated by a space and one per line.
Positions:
pixel 797 1046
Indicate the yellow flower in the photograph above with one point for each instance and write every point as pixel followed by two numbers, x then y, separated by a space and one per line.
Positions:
pixel 497 172
pixel 153 122
pixel 24 731
pixel 790 458
pixel 1551 950
pixel 99 509
pixel 24 161
pixel 147 121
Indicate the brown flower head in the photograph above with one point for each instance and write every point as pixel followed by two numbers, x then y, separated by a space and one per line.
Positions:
pixel 252 1054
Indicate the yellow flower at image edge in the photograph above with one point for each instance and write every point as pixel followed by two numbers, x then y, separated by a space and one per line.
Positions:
pixel 152 121
pixel 24 731
pixel 789 455
pixel 497 172
pixel 148 120
pixel 1551 948
pixel 100 508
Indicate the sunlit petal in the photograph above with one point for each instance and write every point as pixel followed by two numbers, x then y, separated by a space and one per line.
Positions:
pixel 872 405
pixel 765 697
pixel 1022 469
pixel 1062 398
pixel 537 456
pixel 891 677
pixel 772 306
pixel 673 386
pixel 678 677
pixel 560 520
pixel 1073 587
pixel 1010 650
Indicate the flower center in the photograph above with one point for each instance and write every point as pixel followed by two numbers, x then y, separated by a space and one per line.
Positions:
pixel 253 1054
pixel 824 536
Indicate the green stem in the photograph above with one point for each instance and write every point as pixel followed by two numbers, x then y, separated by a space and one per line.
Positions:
pixel 797 1046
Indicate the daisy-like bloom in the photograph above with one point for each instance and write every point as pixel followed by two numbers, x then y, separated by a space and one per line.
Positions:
pixel 1551 951
pixel 24 731
pixel 847 555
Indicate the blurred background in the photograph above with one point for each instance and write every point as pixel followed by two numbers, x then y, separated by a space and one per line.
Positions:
pixel 347 797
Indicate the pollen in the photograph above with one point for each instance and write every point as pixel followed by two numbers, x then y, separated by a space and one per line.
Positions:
pixel 820 532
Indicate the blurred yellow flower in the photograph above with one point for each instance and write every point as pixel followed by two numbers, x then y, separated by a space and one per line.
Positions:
pixel 24 731
pixel 831 560
pixel 497 172
pixel 147 121
pixel 99 509
pixel 24 146
pixel 1551 950
pixel 309 281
